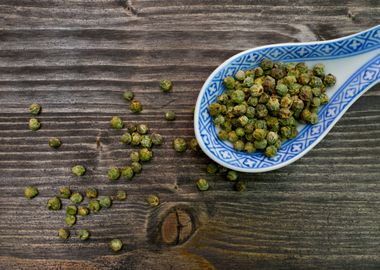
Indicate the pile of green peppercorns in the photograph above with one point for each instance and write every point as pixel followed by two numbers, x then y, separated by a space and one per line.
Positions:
pixel 260 108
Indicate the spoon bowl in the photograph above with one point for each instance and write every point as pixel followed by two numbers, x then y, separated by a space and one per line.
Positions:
pixel 354 60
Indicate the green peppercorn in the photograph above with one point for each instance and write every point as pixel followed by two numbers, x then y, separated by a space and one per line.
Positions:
pixel 315 102
pixel 266 64
pixel 126 138
pixel 83 211
pixel 136 138
pixel 131 128
pixel 134 156
pixel 324 98
pixel 270 151
pixel 240 75
pixel 116 245
pixel 240 132
pixel 313 118
pixel 212 168
pixel 260 144
pixel 105 202
pixel 65 192
pixel 142 129
pixel 329 80
pixel 121 195
pixel 113 173
pixel 35 108
pixel 71 210
pixel 76 198
pixel 202 184
pixel 78 170
pixel 302 67
pixel 145 154
pixel 239 145
pixel 170 115
pixel 240 186
pixel 135 106
pixel 229 82
pixel 54 204
pixel 34 124
pixel 237 96
pixel 166 85
pixel 193 145
pixel 94 206
pixel 116 122
pixel 157 139
pixel 281 89
pixel 232 175
pixel 30 192
pixel 146 141
pixel 179 145
pixel 153 200
pixel 127 172
pixel 83 234
pixel 272 137
pixel 128 95
pixel 91 193
pixel 259 134
pixel 304 78
pixel 273 104
pixel 232 136
pixel 249 147
pixel 63 233
pixel 136 167
pixel 55 142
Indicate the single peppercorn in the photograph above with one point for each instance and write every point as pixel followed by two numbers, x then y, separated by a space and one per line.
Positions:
pixel 202 184
pixel 70 220
pixel 329 80
pixel 153 200
pixel 113 173
pixel 71 210
pixel 166 85
pixel 136 138
pixel 83 234
pixel 142 129
pixel 157 139
pixel 76 198
pixel 94 206
pixel 271 151
pixel 128 95
pixel 83 211
pixel 136 167
pixel 91 193
pixel 30 192
pixel 34 124
pixel 126 138
pixel 131 127
pixel 240 186
pixel 127 172
pixel 232 175
pixel 145 154
pixel 121 195
pixel 212 168
pixel 55 142
pixel 116 122
pixel 35 108
pixel 134 156
pixel 146 141
pixel 116 245
pixel 135 106
pixel 179 145
pixel 78 170
pixel 105 202
pixel 64 192
pixel 170 115
pixel 54 204
pixel 63 233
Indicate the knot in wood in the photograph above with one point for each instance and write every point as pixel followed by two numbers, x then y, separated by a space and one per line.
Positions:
pixel 176 227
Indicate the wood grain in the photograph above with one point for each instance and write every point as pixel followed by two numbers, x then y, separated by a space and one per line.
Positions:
pixel 77 57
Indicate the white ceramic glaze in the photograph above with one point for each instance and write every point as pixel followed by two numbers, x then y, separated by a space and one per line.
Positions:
pixel 355 60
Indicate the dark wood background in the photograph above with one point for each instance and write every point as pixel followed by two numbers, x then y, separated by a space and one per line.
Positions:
pixel 77 57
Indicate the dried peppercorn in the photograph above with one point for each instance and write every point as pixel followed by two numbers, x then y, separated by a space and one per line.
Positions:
pixel 105 202
pixel 128 95
pixel 116 245
pixel 83 211
pixel 121 195
pixel 202 184
pixel 91 193
pixel 179 145
pixel 76 198
pixel 55 142
pixel 35 108
pixel 240 186
pixel 71 210
pixel 34 124
pixel 157 139
pixel 113 173
pixel 70 220
pixel 136 138
pixel 134 156
pixel 78 170
pixel 145 154
pixel 127 172
pixel 146 141
pixel 135 106
pixel 232 175
pixel 63 233
pixel 94 206
pixel 54 204
pixel 116 122
pixel 153 200
pixel 142 129
pixel 193 145
pixel 30 192
pixel 170 115
pixel 136 167
pixel 65 192
pixel 83 234
pixel 212 168
pixel 166 85
pixel 126 138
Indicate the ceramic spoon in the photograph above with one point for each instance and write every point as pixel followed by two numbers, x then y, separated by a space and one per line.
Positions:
pixel 354 60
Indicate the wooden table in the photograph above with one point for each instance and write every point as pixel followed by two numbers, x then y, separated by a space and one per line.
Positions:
pixel 77 57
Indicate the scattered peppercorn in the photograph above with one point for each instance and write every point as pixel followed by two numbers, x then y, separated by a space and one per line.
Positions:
pixel 153 200
pixel 240 186
pixel 142 129
pixel 35 108
pixel 105 202
pixel 166 85
pixel 116 122
pixel 145 154
pixel 55 142
pixel 83 234
pixel 121 195
pixel 136 138
pixel 78 170
pixel 128 95
pixel 127 172
pixel 70 220
pixel 135 106
pixel 91 193
pixel 146 141
pixel 170 115
pixel 71 210
pixel 34 124
pixel 54 204
pixel 202 184
pixel 83 211
pixel 126 138
pixel 157 139
pixel 30 192
pixel 212 168
pixel 134 156
pixel 76 198
pixel 193 145
pixel 63 233
pixel 179 145
pixel 232 175
pixel 113 173
pixel 65 192
pixel 136 167
pixel 116 245
pixel 269 100
pixel 94 206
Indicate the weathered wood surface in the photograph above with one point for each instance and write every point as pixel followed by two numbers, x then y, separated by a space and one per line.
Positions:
pixel 76 58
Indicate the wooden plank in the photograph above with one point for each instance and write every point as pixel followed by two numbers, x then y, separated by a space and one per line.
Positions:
pixel 77 57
